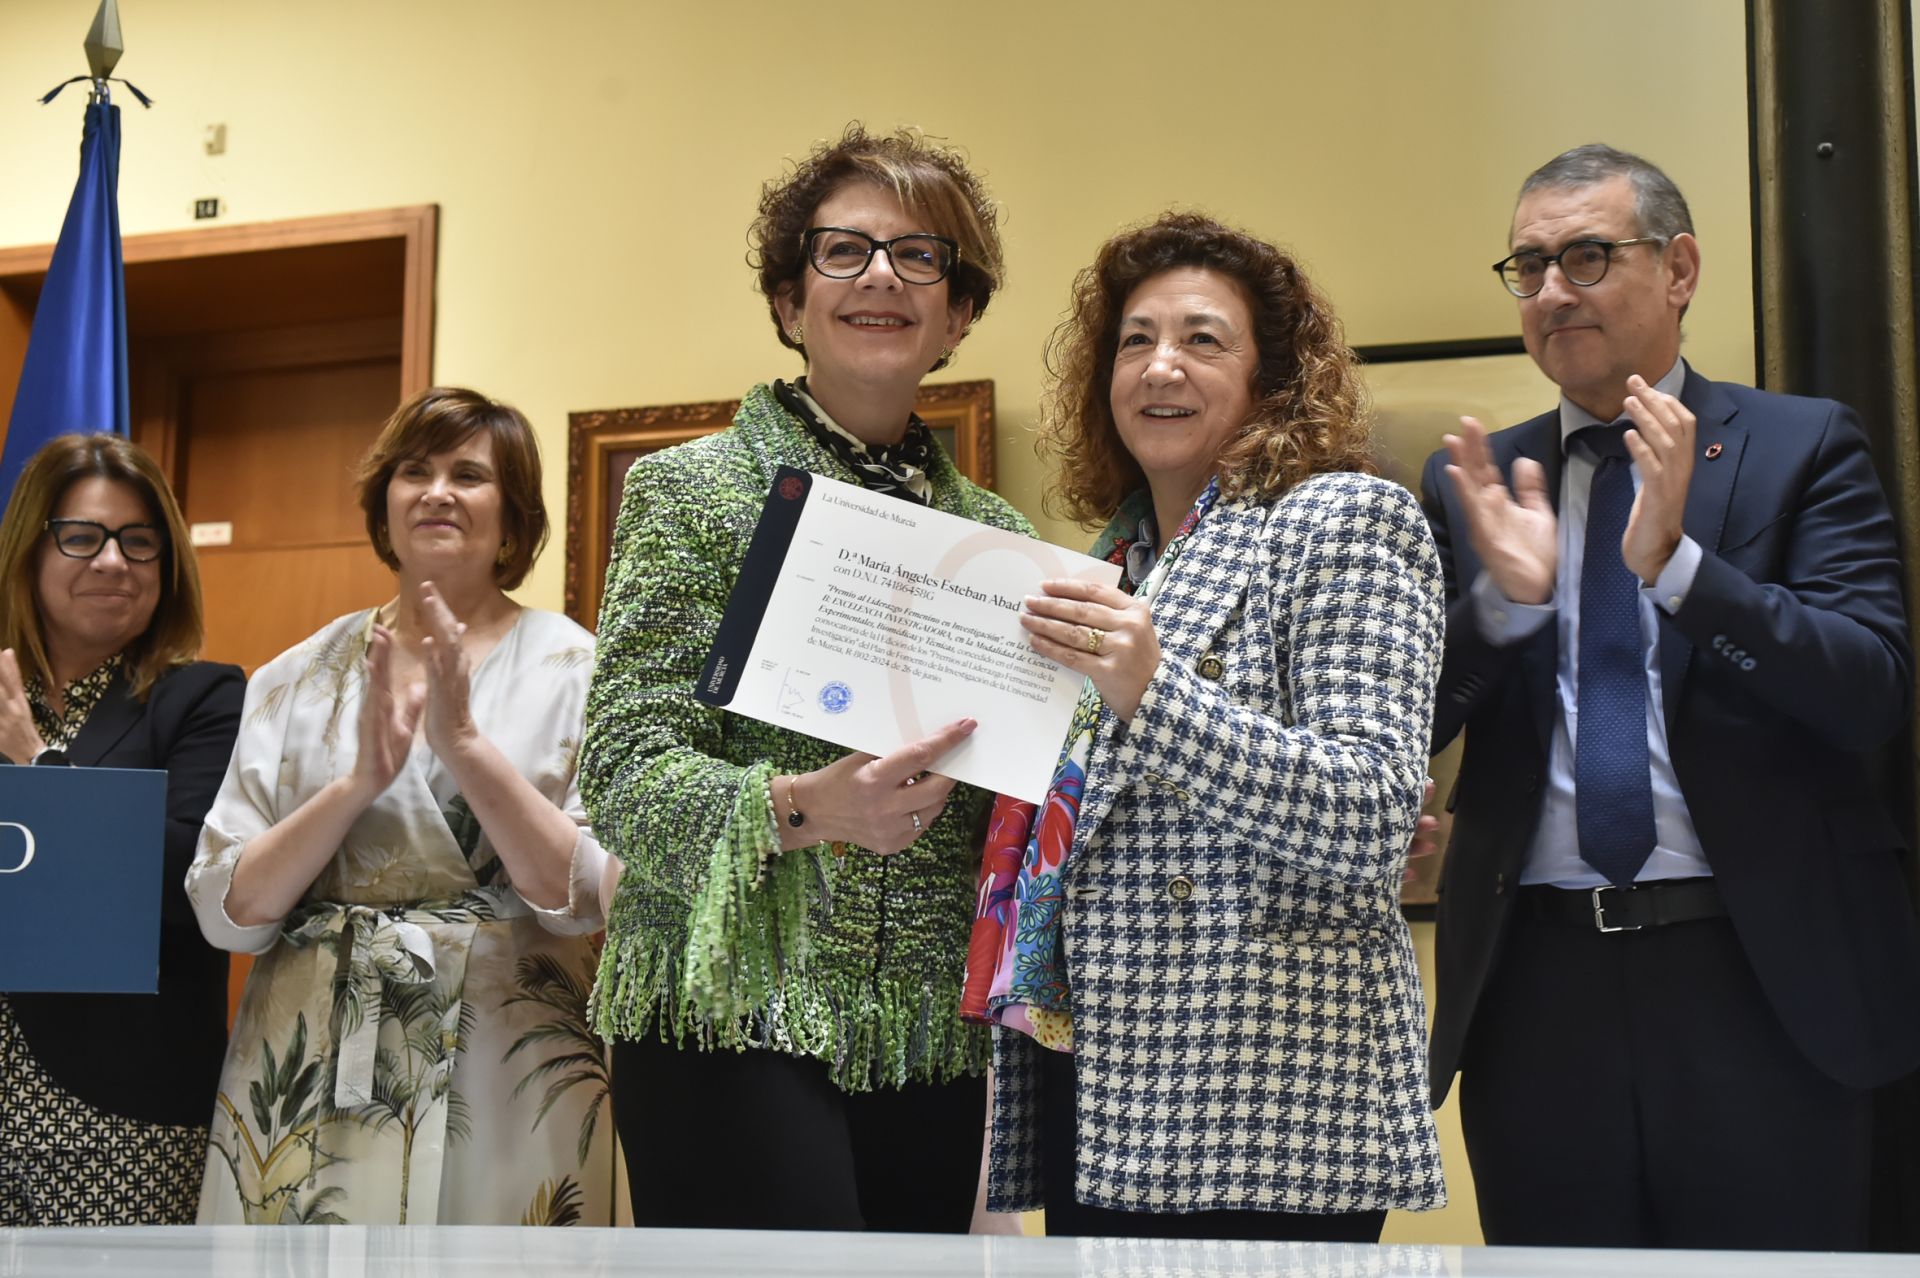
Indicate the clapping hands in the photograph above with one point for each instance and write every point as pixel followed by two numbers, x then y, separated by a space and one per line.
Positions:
pixel 19 739
pixel 391 714
pixel 388 719
pixel 449 713
pixel 1512 530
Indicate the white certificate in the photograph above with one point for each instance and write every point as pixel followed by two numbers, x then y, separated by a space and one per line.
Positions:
pixel 871 622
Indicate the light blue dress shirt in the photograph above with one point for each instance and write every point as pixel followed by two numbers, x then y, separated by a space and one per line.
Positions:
pixel 1554 856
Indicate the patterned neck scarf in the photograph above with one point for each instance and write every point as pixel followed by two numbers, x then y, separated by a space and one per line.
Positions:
pixel 1014 974
pixel 59 729
pixel 899 470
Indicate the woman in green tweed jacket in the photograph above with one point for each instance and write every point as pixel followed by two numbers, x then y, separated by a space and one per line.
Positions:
pixel 785 949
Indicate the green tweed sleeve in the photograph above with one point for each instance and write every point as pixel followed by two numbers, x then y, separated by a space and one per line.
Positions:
pixel 708 910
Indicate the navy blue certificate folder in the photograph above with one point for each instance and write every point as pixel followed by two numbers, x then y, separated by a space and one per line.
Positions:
pixel 80 869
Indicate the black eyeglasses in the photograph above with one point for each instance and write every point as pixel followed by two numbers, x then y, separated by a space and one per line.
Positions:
pixel 83 539
pixel 1583 262
pixel 842 253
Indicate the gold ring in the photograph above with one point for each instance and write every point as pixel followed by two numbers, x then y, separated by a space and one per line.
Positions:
pixel 1094 639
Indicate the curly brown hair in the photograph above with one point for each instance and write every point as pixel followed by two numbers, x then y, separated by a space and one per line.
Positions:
pixel 442 417
pixel 931 180
pixel 1309 413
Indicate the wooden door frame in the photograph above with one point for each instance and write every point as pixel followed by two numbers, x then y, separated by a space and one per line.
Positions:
pixel 417 225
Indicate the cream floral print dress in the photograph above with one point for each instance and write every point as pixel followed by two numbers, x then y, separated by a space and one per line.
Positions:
pixel 412 1047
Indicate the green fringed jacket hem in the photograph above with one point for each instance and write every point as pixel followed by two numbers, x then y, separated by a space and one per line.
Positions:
pixel 869 1034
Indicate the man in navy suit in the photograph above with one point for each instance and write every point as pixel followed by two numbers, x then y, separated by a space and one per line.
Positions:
pixel 1676 948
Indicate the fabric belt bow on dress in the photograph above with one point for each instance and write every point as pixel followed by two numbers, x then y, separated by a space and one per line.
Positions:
pixel 384 943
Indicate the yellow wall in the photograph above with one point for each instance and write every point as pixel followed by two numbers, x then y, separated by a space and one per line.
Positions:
pixel 596 163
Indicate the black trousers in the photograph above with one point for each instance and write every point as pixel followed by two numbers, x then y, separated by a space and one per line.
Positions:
pixel 1068 1217
pixel 763 1140
pixel 1635 1089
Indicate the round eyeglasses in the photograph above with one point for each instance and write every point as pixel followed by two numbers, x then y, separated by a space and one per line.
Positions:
pixel 1583 262
pixel 842 253
pixel 83 539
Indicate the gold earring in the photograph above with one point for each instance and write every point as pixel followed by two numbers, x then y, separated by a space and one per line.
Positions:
pixel 946 354
pixel 381 542
pixel 798 334
pixel 506 553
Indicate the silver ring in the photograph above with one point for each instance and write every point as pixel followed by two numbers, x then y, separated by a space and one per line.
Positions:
pixel 911 780
pixel 917 827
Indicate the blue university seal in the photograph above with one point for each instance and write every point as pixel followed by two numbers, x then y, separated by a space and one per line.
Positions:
pixel 835 697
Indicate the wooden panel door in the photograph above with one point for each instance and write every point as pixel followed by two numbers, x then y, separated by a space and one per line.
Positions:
pixel 271 451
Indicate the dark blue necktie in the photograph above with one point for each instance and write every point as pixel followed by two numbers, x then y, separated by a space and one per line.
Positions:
pixel 1612 781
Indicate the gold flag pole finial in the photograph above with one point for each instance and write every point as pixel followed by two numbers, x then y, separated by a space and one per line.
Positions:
pixel 104 45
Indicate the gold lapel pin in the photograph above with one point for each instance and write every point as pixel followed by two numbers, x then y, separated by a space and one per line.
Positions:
pixel 1713 451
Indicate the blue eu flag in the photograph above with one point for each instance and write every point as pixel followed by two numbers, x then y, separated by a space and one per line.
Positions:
pixel 75 378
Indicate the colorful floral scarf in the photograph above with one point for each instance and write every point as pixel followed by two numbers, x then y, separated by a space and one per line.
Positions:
pixel 1014 974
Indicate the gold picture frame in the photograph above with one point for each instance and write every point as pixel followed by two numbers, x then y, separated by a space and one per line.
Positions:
pixel 603 443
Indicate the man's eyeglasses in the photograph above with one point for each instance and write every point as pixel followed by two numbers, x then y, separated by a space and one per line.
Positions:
pixel 1583 262
pixel 841 253
pixel 83 539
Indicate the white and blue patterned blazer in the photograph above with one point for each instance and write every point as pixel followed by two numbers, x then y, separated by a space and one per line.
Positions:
pixel 1246 1007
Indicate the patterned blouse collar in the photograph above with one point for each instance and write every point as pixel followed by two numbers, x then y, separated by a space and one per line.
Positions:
pixel 83 694
pixel 900 469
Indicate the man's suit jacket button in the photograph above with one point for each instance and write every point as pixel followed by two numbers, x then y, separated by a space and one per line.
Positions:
pixel 1499 883
pixel 1180 887
pixel 1211 668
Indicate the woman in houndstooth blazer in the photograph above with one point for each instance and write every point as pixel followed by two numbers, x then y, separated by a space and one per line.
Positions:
pixel 1209 1016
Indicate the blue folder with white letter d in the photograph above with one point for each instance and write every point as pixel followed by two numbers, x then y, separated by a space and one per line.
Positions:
pixel 81 862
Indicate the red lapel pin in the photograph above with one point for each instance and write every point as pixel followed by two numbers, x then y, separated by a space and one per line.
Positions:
pixel 1713 451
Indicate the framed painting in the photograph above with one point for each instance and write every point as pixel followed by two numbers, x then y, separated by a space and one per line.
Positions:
pixel 603 443
pixel 1419 392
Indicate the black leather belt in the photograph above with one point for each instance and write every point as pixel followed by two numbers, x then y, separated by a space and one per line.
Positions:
pixel 1612 909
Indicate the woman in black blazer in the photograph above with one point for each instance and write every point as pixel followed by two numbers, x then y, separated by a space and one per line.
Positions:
pixel 104 1099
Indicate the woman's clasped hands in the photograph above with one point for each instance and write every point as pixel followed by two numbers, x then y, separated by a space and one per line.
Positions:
pixel 394 711
pixel 388 720
pixel 449 715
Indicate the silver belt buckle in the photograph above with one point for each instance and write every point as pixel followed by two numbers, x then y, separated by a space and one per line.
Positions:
pixel 1600 914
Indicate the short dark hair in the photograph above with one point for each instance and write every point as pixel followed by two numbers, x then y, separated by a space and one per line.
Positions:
pixel 930 180
pixel 174 635
pixel 443 417
pixel 1657 203
pixel 1308 414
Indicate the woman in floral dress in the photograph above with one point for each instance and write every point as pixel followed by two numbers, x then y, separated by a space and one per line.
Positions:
pixel 401 842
